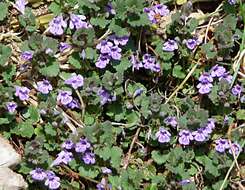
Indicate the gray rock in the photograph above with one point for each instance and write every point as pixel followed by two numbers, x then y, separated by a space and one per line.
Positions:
pixel 9 180
pixel 8 157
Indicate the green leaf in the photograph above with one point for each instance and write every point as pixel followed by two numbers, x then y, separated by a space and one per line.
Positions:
pixel 4 121
pixel 123 65
pixel 115 26
pixel 99 21
pixel 50 43
pixel 138 20
pixel 91 53
pixel 88 171
pixel 4 10
pixel 158 157
pixel 74 60
pixel 24 129
pixel 177 72
pixel 5 53
pixel 240 114
pixel 55 8
pixel 116 154
pixel 209 165
pixel 51 69
pixel 209 50
pixel 50 130
pixel 34 114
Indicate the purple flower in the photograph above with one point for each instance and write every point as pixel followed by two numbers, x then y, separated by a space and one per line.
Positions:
pixel 68 145
pixel 161 9
pixel 64 97
pixel 63 157
pixel 52 181
pixel 156 68
pixel 170 120
pixel 105 96
pixel 11 106
pixel 26 55
pixel 106 170
pixel 236 148
pixel 184 182
pixel 73 104
pixel 103 185
pixel 232 2
pixel 148 61
pixel 78 21
pixel 199 135
pixel 57 25
pixel 227 77
pixel 217 71
pixel 116 53
pixel 237 90
pixel 151 15
pixel 22 92
pixel 88 157
pixel 119 40
pixel 49 51
pixel 205 83
pixel 221 145
pixel 20 5
pixel 155 11
pixel 191 43
pixel 138 92
pixel 82 146
pixel 38 174
pixel 185 137
pixel 170 45
pixel 104 46
pixel 135 62
pixel 75 81
pixel 63 46
pixel 163 136
pixel 209 126
pixel 44 86
pixel 109 8
pixel 102 61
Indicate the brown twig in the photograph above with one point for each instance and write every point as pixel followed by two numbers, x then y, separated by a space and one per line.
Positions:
pixel 126 162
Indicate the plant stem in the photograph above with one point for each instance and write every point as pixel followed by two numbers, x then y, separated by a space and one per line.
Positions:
pixel 183 83
pixel 231 167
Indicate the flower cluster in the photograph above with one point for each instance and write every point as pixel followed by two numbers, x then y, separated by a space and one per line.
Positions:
pixel 148 62
pixel 44 86
pixel 57 25
pixel 82 147
pixel 185 136
pixel 191 43
pixel 205 80
pixel 51 180
pixel 221 145
pixel 155 12
pixel 172 45
pixel 109 49
pixel 22 93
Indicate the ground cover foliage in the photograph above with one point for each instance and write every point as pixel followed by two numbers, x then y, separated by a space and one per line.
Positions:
pixel 124 94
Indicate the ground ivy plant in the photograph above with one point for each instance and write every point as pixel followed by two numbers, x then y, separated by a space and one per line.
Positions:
pixel 125 94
